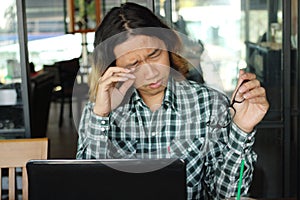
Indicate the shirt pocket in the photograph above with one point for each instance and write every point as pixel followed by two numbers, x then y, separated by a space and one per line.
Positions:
pixel 122 148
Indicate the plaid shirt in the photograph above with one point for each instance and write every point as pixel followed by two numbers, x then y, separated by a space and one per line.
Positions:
pixel 178 129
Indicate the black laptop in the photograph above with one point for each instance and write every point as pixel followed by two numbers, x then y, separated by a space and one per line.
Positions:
pixel 147 179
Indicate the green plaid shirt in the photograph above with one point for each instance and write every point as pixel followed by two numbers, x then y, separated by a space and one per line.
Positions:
pixel 178 129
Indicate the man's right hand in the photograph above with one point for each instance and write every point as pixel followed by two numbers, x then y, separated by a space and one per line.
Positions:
pixel 109 96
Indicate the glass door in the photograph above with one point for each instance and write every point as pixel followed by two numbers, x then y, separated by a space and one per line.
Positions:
pixel 13 74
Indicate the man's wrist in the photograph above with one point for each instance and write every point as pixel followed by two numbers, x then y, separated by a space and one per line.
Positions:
pixel 240 140
pixel 244 129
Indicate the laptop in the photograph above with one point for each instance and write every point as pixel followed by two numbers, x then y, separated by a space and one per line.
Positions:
pixel 108 179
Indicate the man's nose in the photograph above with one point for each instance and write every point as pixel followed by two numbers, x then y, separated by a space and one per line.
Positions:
pixel 150 71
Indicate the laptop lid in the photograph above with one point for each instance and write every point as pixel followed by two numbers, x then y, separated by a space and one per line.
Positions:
pixel 107 179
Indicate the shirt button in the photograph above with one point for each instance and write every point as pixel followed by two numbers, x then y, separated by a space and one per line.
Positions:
pixel 189 149
pixel 102 129
pixel 103 122
pixel 153 134
pixel 102 137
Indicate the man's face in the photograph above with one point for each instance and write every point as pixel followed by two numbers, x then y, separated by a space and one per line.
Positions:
pixel 149 58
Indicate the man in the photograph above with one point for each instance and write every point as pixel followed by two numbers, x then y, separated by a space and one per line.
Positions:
pixel 141 106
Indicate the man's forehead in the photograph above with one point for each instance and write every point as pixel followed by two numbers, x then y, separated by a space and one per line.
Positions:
pixel 138 42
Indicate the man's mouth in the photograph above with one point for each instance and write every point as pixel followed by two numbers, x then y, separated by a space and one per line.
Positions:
pixel 155 85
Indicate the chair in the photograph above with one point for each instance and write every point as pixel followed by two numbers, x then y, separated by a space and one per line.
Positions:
pixel 53 69
pixel 15 153
pixel 68 70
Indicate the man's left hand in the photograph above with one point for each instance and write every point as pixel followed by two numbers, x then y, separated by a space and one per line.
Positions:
pixel 252 110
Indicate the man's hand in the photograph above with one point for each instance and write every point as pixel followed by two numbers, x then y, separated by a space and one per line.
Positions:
pixel 108 95
pixel 252 110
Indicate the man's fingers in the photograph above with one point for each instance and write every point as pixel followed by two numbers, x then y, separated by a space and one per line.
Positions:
pixel 249 85
pixel 256 92
pixel 245 76
pixel 125 86
pixel 113 70
pixel 258 100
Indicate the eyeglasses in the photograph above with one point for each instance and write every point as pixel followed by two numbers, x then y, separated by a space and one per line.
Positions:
pixel 223 113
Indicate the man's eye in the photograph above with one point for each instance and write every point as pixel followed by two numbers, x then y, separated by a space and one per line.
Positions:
pixel 133 67
pixel 155 54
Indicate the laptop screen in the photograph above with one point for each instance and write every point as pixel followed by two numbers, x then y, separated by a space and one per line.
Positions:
pixel 107 179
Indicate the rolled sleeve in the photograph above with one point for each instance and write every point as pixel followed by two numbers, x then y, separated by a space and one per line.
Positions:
pixel 239 141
